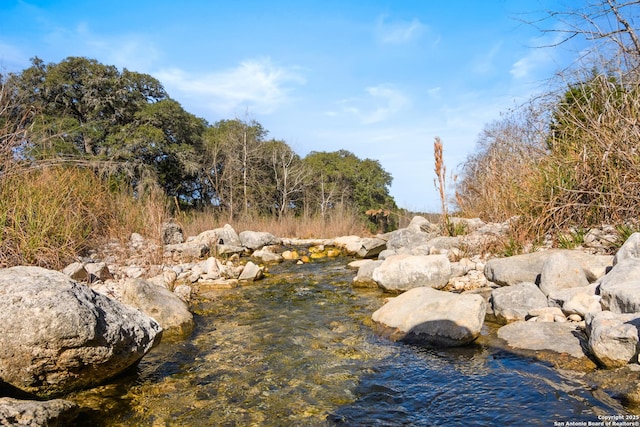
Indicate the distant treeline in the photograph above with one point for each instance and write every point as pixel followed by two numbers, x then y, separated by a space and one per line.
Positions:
pixel 125 126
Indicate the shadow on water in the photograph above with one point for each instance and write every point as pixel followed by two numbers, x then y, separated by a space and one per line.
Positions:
pixel 296 349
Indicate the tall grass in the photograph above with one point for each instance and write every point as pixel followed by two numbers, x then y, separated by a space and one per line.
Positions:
pixel 51 215
pixel 341 222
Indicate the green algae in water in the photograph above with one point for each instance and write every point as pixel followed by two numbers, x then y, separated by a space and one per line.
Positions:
pixel 287 349
pixel 297 349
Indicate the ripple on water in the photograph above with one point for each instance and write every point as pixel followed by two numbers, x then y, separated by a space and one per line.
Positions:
pixel 294 349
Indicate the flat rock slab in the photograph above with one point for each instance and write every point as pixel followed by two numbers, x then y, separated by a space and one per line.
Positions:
pixel 549 341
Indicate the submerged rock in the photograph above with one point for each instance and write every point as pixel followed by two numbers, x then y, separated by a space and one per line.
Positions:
pixel 33 413
pixel 171 312
pixel 438 318
pixel 559 343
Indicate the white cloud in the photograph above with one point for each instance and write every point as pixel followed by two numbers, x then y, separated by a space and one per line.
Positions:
pixel 538 58
pixel 257 84
pixel 382 102
pixel 12 59
pixel 398 32
pixel 485 64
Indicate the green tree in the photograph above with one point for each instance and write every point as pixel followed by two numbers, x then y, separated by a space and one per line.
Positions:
pixel 88 111
pixel 340 178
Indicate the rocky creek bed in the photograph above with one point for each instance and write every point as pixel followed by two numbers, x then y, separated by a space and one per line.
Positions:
pixel 273 331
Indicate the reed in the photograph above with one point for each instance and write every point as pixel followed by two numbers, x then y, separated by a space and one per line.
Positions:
pixel 440 181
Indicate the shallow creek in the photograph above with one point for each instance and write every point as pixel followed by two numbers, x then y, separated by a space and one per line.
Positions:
pixel 297 349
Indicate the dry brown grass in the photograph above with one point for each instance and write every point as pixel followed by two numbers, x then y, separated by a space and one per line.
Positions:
pixel 441 185
pixel 51 215
pixel 342 222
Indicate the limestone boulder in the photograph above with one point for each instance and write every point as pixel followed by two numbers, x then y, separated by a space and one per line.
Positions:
pixel 629 249
pixel 513 303
pixel 226 235
pixel 257 239
pixel 582 304
pixel 555 337
pixel 250 272
pixel 364 278
pixel 621 297
pixel 34 413
pixel 57 335
pixel 528 267
pixel 158 302
pixel 625 270
pixel 558 298
pixel 407 238
pixel 420 223
pixel 559 271
pixel 620 288
pixel 433 317
pixel 268 254
pixel 515 269
pixel 403 272
pixel 613 338
pixel 172 233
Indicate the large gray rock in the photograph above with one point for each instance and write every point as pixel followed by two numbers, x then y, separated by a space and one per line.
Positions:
pixel 33 413
pixel 220 236
pixel 626 270
pixel 560 297
pixel 420 223
pixel 368 247
pixel 257 239
pixel 613 338
pixel 515 269
pixel 513 303
pixel 158 302
pixel 364 278
pixel 629 249
pixel 543 336
pixel 404 272
pixel 268 254
pixel 57 335
pixel 433 317
pixel 250 272
pixel 407 238
pixel 582 304
pixel 559 271
pixel 621 297
pixel 528 267
pixel 620 288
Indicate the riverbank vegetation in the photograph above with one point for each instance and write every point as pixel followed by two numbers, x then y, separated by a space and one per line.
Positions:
pixel 568 159
pixel 89 152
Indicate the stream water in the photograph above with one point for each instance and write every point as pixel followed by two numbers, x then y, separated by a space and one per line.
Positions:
pixel 297 349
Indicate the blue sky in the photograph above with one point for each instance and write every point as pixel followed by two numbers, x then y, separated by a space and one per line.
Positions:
pixel 381 79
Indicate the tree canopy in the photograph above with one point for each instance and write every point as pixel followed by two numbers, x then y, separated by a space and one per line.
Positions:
pixel 122 122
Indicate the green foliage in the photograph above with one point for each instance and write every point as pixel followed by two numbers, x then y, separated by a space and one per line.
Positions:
pixel 124 126
pixel 341 178
pixel 572 239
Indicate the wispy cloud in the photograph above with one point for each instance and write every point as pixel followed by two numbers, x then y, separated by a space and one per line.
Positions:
pixel 398 32
pixel 12 58
pixel 486 63
pixel 538 58
pixel 256 84
pixel 381 103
